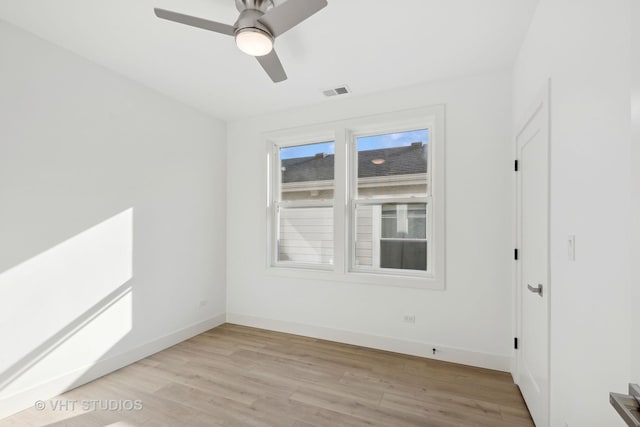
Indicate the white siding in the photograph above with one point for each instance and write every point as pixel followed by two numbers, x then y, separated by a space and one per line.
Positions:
pixel 306 235
pixel 364 236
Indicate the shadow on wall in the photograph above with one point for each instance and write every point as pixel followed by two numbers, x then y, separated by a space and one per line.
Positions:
pixel 64 309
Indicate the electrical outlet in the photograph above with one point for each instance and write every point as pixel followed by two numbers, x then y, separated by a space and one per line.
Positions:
pixel 409 318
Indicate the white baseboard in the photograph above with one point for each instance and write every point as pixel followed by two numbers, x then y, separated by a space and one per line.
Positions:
pixel 56 386
pixel 514 369
pixel 414 348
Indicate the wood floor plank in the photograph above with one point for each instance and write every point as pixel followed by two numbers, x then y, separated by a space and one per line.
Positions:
pixel 238 376
pixel 358 408
pixel 464 413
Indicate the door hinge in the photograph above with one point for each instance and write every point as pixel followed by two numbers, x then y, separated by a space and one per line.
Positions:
pixel 515 254
pixel 515 343
pixel 515 165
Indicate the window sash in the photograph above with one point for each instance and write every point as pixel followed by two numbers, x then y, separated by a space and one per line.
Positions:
pixel 355 201
pixel 289 204
pixel 352 176
pixel 392 200
pixel 310 137
pixel 402 239
pixel 354 267
pixel 275 197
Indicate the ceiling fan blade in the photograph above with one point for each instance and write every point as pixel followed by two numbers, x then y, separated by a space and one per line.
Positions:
pixel 272 65
pixel 195 22
pixel 289 14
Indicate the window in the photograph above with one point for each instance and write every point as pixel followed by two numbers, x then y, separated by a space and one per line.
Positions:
pixel 390 201
pixel 304 206
pixel 360 200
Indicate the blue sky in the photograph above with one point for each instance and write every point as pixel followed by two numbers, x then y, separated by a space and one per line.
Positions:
pixel 401 139
pixel 307 150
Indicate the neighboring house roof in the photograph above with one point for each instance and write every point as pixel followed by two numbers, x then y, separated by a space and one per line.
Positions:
pixel 397 161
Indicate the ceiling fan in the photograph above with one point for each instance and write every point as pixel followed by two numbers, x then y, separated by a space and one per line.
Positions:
pixel 257 27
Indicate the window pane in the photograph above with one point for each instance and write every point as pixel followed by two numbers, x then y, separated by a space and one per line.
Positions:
pixel 405 255
pixel 393 164
pixel 307 172
pixel 404 221
pixel 305 235
pixel 391 235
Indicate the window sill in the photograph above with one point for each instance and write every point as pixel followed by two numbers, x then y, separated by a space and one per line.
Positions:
pixel 383 279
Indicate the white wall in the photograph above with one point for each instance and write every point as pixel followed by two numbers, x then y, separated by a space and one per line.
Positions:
pixel 635 141
pixel 470 320
pixel 583 46
pixel 112 220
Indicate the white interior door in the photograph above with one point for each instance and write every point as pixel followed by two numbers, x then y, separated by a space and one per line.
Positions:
pixel 533 264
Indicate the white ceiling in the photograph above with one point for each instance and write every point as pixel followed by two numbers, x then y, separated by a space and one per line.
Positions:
pixel 369 45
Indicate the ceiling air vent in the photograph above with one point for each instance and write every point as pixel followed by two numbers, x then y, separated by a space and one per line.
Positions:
pixel 342 90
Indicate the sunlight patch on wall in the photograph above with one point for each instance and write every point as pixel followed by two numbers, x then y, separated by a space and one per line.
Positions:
pixel 66 307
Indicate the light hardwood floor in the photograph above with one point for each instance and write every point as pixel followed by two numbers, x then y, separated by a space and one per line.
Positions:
pixel 238 376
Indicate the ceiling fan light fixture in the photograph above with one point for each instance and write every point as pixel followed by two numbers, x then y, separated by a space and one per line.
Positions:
pixel 254 42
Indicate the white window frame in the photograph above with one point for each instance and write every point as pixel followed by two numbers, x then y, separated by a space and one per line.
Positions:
pixel 355 201
pixel 275 204
pixel 344 134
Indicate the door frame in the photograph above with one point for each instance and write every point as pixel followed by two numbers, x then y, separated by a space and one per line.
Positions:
pixel 541 102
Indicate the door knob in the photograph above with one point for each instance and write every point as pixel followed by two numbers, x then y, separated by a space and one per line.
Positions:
pixel 536 290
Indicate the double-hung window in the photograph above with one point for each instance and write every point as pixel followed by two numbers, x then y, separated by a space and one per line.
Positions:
pixel 303 204
pixel 390 202
pixel 360 200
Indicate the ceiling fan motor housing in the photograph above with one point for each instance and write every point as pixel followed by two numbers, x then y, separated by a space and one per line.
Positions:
pixel 261 5
pixel 249 19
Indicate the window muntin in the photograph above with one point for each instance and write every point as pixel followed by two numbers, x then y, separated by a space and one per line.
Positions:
pixel 390 198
